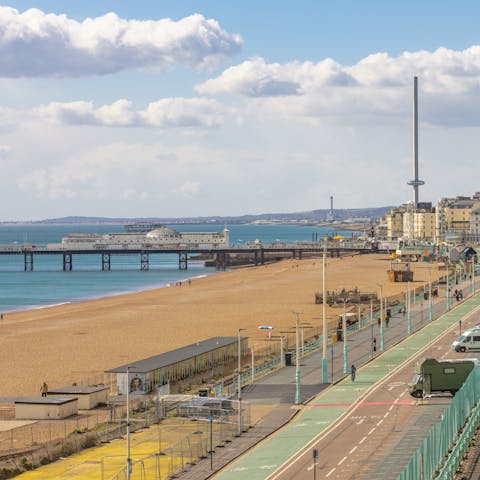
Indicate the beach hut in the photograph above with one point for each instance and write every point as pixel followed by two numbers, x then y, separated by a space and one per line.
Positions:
pixel 88 397
pixel 45 408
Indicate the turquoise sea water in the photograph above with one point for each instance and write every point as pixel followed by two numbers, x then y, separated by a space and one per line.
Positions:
pixel 49 285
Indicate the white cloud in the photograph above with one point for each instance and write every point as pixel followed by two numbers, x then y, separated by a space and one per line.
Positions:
pixel 4 151
pixel 376 86
pixel 165 113
pixel 34 43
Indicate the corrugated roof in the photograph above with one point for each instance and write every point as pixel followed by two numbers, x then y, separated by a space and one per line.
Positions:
pixel 169 358
pixel 45 400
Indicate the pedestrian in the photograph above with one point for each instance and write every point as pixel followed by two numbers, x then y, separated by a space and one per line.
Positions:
pixel 460 293
pixel 378 321
pixel 374 342
pixel 353 372
pixel 387 321
pixel 44 389
pixel 404 311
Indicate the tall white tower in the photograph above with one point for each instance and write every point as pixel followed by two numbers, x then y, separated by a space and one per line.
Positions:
pixel 416 182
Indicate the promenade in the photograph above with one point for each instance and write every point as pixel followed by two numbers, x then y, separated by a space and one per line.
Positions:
pixel 309 420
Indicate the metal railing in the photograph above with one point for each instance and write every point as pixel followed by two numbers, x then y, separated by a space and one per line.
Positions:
pixel 448 441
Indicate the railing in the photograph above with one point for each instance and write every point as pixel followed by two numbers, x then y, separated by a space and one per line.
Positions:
pixel 448 441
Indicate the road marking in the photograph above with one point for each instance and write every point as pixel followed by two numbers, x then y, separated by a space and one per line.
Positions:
pixel 379 422
pixel 386 415
pixel 391 408
pixel 239 469
pixel 360 404
pixel 267 467
pixel 342 460
pixel 371 431
pixel 311 467
pixel 360 421
pixel 330 472
pixel 353 449
pixel 362 440
pixel 299 425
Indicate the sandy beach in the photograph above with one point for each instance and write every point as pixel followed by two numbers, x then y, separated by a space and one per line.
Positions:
pixel 70 342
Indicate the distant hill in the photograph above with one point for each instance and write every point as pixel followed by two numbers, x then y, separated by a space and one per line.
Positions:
pixel 310 216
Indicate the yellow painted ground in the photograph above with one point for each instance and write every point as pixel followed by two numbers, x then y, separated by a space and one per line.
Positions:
pixel 106 461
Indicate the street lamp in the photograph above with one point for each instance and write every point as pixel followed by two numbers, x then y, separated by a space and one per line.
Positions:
pixel 239 384
pixel 409 311
pixel 382 340
pixel 129 460
pixel 298 399
pixel 430 313
pixel 344 334
pixel 324 315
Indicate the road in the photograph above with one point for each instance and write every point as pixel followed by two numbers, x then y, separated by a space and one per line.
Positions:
pixel 367 429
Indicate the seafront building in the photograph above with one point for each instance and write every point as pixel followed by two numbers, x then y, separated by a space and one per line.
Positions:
pixel 161 237
pixel 451 220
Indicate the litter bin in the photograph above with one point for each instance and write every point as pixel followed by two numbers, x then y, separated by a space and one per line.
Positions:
pixel 288 359
pixel 334 337
pixel 203 392
pixel 340 335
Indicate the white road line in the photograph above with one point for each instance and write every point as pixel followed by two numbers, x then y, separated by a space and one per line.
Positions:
pixel 330 472
pixel 379 422
pixel 311 467
pixel 362 440
pixel 360 421
pixel 342 460
pixel 391 408
pixel 386 415
pixel 353 449
pixel 371 431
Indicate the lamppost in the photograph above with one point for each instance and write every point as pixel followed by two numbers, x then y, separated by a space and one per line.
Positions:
pixel 382 340
pixel 447 293
pixel 344 334
pixel 239 384
pixel 324 317
pixel 129 460
pixel 298 399
pixel 430 312
pixel 409 311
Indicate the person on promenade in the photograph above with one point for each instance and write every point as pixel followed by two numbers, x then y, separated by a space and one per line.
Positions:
pixel 44 389
pixel 374 344
pixel 353 372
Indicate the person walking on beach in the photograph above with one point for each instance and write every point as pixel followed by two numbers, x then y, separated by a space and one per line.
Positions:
pixel 44 389
pixel 353 372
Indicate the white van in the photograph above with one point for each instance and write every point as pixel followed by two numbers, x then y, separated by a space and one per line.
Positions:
pixel 468 341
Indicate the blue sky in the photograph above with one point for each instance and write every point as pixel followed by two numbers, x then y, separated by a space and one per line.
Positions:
pixel 248 107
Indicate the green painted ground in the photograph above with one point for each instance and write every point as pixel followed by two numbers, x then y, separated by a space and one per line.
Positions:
pixel 267 457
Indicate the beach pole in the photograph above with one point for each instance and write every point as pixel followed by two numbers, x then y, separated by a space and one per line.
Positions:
pixel 324 312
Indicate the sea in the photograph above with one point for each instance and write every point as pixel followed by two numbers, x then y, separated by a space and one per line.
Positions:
pixel 49 285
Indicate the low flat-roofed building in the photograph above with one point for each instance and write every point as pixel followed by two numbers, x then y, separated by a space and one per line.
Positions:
pixel 149 373
pixel 45 408
pixel 88 397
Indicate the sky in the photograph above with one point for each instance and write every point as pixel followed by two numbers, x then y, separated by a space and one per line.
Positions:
pixel 189 108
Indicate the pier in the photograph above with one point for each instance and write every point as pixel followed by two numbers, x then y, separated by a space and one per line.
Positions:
pixel 258 253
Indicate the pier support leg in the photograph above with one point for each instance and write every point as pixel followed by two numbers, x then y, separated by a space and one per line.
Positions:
pixel 67 262
pixel 256 257
pixel 106 261
pixel 221 260
pixel 183 261
pixel 28 261
pixel 262 257
pixel 144 261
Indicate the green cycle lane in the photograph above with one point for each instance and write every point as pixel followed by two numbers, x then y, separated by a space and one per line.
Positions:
pixel 264 459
